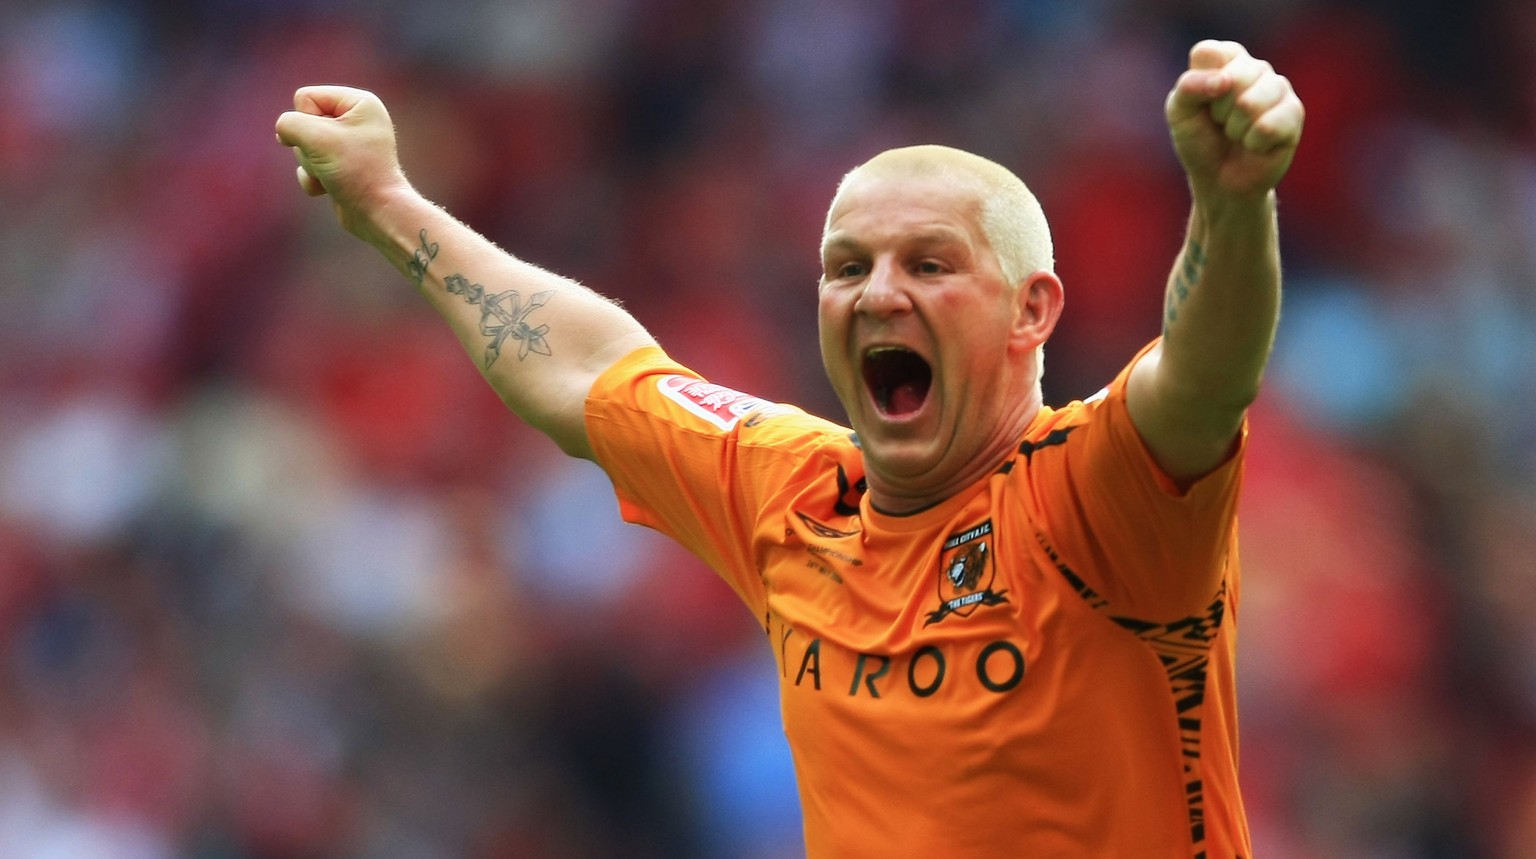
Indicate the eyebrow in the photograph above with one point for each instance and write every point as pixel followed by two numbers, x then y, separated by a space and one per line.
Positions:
pixel 925 237
pixel 841 243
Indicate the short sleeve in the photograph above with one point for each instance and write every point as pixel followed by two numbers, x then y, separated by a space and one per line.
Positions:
pixel 1155 550
pixel 697 461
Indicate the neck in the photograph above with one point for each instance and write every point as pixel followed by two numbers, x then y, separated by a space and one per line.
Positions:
pixel 903 495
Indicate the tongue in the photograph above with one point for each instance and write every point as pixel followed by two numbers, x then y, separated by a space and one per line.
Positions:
pixel 906 398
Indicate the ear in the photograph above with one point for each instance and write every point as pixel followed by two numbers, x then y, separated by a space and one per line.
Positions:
pixel 1039 300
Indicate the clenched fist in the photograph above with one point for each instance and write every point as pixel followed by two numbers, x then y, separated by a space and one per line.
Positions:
pixel 1235 122
pixel 345 144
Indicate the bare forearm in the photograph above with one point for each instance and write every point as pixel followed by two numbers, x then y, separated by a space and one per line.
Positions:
pixel 539 339
pixel 1223 302
pixel 1235 124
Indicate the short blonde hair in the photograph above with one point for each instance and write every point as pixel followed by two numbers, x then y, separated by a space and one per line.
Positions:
pixel 1011 216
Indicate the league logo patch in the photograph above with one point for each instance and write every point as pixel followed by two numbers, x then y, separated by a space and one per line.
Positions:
pixel 966 572
pixel 716 404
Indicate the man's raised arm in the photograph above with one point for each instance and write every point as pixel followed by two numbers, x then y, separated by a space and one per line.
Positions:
pixel 1235 125
pixel 541 340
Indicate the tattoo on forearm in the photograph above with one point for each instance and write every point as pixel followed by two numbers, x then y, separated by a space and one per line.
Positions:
pixel 504 315
pixel 1191 266
pixel 420 259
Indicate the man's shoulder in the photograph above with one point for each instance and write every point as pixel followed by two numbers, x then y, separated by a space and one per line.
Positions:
pixel 1054 424
pixel 1105 404
pixel 650 381
pixel 809 446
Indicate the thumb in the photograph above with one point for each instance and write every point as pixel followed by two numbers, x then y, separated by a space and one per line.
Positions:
pixel 319 108
pixel 335 101
pixel 302 132
pixel 300 129
pixel 1194 91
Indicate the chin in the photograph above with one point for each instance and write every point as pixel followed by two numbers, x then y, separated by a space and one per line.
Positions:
pixel 896 461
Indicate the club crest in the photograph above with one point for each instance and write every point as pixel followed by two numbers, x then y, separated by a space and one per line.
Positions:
pixel 966 572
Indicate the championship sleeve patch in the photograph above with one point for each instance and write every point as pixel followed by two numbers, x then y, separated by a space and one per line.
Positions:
pixel 716 404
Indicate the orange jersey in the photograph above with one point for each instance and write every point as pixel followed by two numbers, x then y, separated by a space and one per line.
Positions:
pixel 1039 666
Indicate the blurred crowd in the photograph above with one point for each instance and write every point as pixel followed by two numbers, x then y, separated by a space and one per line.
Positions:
pixel 281 579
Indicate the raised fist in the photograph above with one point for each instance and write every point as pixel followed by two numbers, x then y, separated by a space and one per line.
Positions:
pixel 345 144
pixel 1235 121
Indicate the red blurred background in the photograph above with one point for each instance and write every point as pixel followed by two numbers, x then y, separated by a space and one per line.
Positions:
pixel 279 577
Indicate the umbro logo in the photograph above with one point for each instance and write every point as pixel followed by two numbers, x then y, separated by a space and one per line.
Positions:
pixel 822 529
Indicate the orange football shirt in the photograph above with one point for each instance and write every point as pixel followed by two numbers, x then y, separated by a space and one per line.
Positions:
pixel 1039 666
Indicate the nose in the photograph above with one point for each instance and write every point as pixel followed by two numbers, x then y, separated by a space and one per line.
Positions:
pixel 885 292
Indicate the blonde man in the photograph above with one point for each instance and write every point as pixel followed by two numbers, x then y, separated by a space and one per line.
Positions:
pixel 1002 629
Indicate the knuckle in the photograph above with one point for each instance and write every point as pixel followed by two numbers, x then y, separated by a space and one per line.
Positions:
pixel 1273 130
pixel 1256 100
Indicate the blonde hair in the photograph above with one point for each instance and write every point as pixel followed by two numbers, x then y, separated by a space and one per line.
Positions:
pixel 1011 217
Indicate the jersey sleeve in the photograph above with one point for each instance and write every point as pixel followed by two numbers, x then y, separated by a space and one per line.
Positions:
pixel 697 461
pixel 1155 550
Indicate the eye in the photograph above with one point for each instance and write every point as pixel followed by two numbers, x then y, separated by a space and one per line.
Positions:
pixel 851 269
pixel 929 266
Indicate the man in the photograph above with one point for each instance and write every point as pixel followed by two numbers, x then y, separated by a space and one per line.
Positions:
pixel 1002 629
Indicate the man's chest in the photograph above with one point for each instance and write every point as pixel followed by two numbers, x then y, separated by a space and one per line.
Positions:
pixel 962 606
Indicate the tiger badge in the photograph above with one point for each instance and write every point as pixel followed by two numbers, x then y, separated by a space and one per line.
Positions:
pixel 966 572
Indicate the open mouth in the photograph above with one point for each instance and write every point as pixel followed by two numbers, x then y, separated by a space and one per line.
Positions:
pixel 898 379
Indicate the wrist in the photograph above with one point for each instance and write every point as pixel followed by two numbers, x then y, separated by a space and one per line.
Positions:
pixel 372 214
pixel 393 221
pixel 1224 210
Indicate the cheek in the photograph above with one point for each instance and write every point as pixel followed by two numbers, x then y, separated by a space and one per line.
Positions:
pixel 830 336
pixel 977 359
pixel 980 328
pixel 832 315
